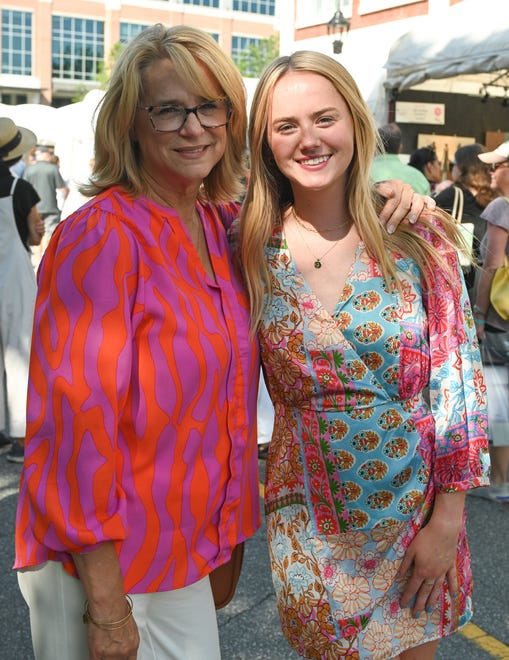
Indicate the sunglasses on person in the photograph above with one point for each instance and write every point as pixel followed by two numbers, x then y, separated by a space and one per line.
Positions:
pixel 494 166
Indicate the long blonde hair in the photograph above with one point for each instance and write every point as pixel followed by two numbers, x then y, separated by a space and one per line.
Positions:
pixel 269 191
pixel 117 155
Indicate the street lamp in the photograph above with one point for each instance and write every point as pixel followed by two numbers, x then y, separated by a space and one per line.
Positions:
pixel 337 25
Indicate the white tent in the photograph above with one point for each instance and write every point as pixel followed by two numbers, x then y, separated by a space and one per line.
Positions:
pixel 69 128
pixel 465 47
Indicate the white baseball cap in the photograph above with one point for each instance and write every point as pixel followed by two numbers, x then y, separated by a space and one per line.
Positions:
pixel 500 154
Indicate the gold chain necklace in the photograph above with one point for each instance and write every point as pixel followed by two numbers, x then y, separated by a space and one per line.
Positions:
pixel 317 260
pixel 317 231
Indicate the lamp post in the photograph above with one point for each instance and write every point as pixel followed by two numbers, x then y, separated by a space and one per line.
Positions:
pixel 338 25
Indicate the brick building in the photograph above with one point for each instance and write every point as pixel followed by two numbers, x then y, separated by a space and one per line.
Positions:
pixel 52 50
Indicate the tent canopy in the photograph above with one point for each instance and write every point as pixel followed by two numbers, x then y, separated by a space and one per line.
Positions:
pixel 464 47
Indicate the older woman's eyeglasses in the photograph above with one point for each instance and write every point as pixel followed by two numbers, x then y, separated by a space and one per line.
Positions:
pixel 171 118
pixel 495 166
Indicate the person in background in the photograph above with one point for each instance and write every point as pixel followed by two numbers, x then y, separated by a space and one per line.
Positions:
pixel 62 193
pixel 20 228
pixel 426 161
pixel 371 361
pixel 19 167
pixel 495 341
pixel 45 177
pixel 388 165
pixel 471 185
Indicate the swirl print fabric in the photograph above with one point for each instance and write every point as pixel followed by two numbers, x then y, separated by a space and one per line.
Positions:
pixel 142 397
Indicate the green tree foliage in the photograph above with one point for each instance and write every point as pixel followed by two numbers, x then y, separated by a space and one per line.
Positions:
pixel 103 72
pixel 256 57
pixel 105 68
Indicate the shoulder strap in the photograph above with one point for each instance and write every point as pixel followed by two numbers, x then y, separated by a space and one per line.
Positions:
pixel 13 186
pixel 457 207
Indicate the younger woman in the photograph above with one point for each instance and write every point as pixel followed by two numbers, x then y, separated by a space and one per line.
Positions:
pixel 369 352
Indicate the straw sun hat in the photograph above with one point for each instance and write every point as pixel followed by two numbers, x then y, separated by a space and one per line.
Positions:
pixel 14 140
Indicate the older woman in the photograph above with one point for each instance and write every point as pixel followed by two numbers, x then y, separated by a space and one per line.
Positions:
pixel 140 472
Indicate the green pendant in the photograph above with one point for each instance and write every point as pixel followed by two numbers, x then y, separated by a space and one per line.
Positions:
pixel 318 263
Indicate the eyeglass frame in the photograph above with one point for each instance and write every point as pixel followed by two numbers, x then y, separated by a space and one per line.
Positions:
pixel 495 166
pixel 188 111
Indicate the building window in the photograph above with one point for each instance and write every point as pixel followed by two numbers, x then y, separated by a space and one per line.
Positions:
pixel 77 48
pixel 203 3
pixel 266 7
pixel 240 50
pixel 13 99
pixel 130 30
pixel 16 42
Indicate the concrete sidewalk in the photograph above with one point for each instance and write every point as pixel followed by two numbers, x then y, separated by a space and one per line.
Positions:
pixel 249 626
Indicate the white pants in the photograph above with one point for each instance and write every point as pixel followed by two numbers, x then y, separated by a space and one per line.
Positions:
pixel 265 413
pixel 173 625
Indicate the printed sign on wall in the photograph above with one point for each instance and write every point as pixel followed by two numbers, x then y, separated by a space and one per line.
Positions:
pixel 420 113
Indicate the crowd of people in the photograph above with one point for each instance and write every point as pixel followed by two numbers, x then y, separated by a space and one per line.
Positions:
pixel 493 332
pixel 158 300
pixel 477 197
pixel 21 227
pixel 30 181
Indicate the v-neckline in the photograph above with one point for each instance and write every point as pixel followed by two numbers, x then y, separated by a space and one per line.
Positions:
pixel 170 211
pixel 343 296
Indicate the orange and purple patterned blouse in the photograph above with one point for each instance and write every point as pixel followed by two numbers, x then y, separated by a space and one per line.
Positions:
pixel 141 424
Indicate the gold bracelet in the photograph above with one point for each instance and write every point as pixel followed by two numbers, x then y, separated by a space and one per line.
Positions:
pixel 111 625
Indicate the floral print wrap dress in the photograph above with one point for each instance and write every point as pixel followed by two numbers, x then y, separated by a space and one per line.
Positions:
pixel 377 407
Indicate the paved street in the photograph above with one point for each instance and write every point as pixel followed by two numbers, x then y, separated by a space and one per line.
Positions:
pixel 249 626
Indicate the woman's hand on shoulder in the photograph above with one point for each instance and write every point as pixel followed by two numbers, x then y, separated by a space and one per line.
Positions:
pixel 401 204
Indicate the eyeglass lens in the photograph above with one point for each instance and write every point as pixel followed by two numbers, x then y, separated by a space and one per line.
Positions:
pixel 212 114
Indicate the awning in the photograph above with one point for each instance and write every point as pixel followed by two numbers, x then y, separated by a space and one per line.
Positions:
pixel 468 43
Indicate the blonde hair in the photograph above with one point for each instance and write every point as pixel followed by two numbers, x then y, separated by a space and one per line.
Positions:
pixel 117 155
pixel 269 191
